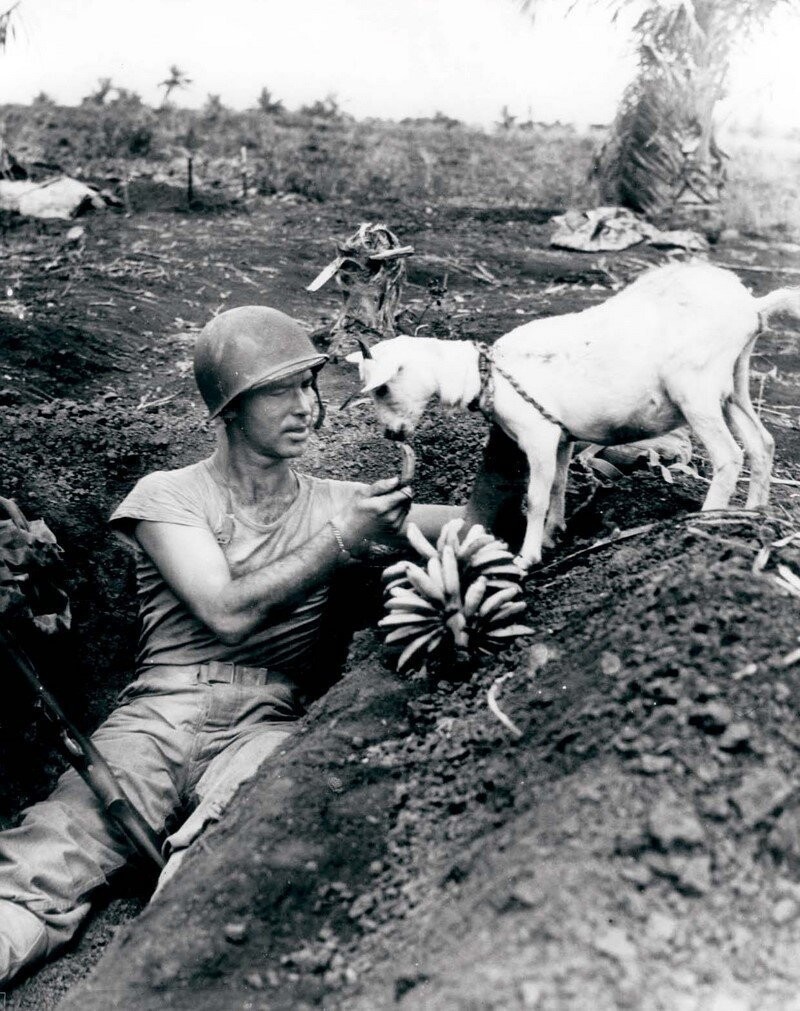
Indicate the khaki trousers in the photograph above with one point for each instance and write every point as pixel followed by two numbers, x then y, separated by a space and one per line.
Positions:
pixel 176 744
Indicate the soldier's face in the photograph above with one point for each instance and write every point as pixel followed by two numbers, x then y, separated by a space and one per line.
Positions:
pixel 276 419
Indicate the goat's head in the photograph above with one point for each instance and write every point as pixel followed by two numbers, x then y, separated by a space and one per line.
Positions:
pixel 401 379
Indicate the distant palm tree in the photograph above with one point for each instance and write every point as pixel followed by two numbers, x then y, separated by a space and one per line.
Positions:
pixel 104 88
pixel 177 79
pixel 7 30
pixel 267 104
pixel 662 157
pixel 213 109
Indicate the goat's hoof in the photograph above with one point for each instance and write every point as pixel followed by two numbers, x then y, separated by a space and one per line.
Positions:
pixel 552 538
pixel 522 565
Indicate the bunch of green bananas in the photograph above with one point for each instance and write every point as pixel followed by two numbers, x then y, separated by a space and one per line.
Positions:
pixel 466 598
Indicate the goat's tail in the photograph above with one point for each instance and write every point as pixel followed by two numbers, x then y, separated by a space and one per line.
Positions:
pixel 781 300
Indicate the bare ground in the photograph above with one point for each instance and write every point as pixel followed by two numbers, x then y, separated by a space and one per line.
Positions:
pixel 636 846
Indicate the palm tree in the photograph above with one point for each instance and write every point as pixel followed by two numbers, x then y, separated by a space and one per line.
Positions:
pixel 267 104
pixel 104 88
pixel 177 79
pixel 213 110
pixel 7 24
pixel 661 157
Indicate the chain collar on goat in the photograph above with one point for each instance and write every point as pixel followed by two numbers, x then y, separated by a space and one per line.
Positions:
pixel 484 402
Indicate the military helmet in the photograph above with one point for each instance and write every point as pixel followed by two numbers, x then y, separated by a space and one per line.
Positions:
pixel 248 347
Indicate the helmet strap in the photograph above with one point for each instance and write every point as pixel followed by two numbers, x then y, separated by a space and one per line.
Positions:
pixel 322 409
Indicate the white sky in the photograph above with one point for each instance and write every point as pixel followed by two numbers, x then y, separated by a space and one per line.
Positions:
pixel 389 58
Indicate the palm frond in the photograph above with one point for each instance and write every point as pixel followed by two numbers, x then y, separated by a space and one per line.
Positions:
pixel 7 29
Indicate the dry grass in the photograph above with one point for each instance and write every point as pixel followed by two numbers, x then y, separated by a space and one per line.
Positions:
pixel 763 194
pixel 326 156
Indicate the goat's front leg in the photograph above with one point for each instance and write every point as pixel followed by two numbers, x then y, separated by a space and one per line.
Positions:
pixel 499 487
pixel 541 447
pixel 556 522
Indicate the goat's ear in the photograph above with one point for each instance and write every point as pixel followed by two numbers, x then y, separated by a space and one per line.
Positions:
pixel 377 373
pixel 355 358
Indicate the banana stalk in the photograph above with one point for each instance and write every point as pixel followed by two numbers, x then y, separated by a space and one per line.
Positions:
pixel 464 602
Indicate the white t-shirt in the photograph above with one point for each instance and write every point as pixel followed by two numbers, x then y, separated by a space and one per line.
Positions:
pixel 197 496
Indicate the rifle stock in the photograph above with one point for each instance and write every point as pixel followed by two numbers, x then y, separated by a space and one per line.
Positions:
pixel 87 760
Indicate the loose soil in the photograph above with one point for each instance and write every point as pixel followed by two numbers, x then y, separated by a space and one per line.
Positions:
pixel 638 845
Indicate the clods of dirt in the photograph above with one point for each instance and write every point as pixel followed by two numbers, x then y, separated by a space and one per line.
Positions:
pixel 615 855
pixel 405 851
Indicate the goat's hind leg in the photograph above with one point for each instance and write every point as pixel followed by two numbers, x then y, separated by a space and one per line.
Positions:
pixel 705 418
pixel 540 445
pixel 758 442
pixel 556 523
pixel 759 458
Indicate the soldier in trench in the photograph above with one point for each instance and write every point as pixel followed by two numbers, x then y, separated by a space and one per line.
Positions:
pixel 234 558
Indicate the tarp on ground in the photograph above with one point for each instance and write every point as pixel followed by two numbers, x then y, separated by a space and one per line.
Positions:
pixel 609 229
pixel 54 198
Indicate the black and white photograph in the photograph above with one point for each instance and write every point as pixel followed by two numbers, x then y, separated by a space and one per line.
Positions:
pixel 399 505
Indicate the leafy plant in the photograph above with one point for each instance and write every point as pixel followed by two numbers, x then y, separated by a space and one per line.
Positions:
pixel 31 572
pixel 465 600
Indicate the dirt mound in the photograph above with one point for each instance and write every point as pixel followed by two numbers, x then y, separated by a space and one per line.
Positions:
pixel 635 846
pixel 531 863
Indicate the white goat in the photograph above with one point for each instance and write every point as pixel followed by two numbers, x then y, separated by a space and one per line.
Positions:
pixel 672 348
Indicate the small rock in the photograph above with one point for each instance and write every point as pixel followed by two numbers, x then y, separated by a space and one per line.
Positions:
pixel 308 959
pixel 725 1000
pixel 673 823
pixel 716 807
pixel 165 973
pixel 362 905
pixel 639 875
pixel 661 927
pixel 782 692
pixel 592 792
pixel 693 874
pixel 631 841
pixel 666 690
pixel 628 734
pixel 784 911
pixel 736 737
pixel 761 792
pixel 235 932
pixel 706 772
pixel 616 943
pixel 531 993
pixel 785 887
pixel 254 980
pixel 610 664
pixel 652 765
pixel 746 887
pixel 527 893
pixel 705 690
pixel 636 905
pixel 711 718
pixel 684 978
